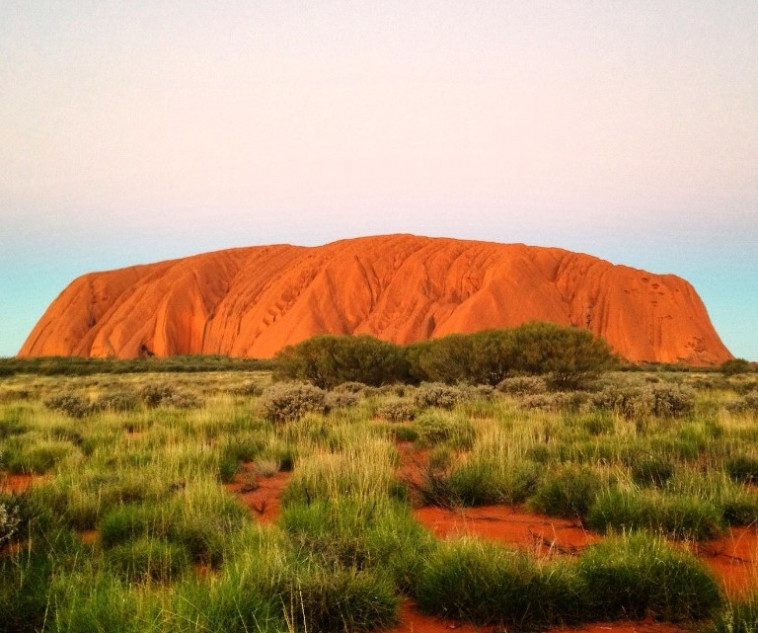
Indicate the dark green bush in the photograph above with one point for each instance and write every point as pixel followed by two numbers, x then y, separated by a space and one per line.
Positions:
pixel 328 360
pixel 735 366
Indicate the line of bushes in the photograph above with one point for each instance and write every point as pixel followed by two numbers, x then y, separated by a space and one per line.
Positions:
pixel 80 366
pixel 567 356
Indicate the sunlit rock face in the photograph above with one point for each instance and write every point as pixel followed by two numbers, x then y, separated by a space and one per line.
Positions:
pixel 253 301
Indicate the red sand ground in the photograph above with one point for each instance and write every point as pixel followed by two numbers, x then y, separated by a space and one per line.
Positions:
pixel 511 525
pixel 264 501
pixel 412 621
pixel 19 483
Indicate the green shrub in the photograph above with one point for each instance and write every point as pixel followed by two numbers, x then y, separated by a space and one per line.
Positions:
pixel 284 402
pixel 328 360
pixel 570 491
pixel 735 366
pixel 404 433
pixel 639 575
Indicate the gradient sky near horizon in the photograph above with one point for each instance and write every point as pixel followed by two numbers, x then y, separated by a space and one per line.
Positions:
pixel 143 130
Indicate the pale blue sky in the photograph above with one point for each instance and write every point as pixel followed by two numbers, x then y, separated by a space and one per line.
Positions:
pixel 138 131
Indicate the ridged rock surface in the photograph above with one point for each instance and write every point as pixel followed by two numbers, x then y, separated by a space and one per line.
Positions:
pixel 254 301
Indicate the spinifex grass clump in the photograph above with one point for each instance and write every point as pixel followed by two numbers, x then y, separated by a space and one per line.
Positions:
pixel 652 470
pixel 148 559
pixel 742 468
pixel 569 492
pixel 24 582
pixel 679 517
pixel 739 616
pixel 347 533
pixel 484 583
pixel 453 429
pixel 639 575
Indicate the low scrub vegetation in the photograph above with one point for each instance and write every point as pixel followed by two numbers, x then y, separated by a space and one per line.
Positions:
pixel 129 501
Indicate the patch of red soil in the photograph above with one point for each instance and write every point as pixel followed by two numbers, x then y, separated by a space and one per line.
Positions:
pixel 89 536
pixel 413 621
pixel 733 558
pixel 263 498
pixel 412 469
pixel 19 483
pixel 510 525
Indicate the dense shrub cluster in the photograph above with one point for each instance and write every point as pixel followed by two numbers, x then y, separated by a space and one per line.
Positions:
pixel 523 385
pixel 397 410
pixel 663 400
pixel 747 404
pixel 672 401
pixel 71 404
pixel 329 360
pixel 438 394
pixel 289 401
pixel 568 357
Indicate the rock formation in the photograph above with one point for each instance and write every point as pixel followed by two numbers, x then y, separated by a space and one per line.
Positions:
pixel 254 301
